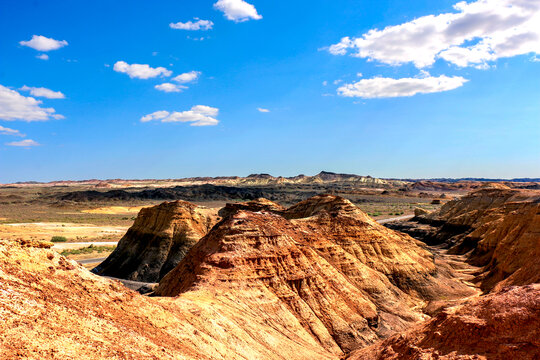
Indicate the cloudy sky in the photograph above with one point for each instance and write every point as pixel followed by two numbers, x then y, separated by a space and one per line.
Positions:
pixel 139 89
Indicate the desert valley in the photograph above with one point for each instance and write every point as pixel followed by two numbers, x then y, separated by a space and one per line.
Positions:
pixel 270 180
pixel 331 266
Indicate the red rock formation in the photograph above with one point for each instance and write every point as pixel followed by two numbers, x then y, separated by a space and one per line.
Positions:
pixel 502 227
pixel 51 308
pixel 500 326
pixel 499 229
pixel 157 241
pixel 346 279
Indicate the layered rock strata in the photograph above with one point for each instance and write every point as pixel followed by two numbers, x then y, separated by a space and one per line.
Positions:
pixel 346 279
pixel 500 326
pixel 498 229
pixel 159 238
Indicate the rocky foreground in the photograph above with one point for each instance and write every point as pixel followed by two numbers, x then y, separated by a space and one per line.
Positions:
pixel 502 325
pixel 319 280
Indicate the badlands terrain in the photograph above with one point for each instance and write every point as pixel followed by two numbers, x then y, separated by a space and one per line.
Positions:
pixel 331 266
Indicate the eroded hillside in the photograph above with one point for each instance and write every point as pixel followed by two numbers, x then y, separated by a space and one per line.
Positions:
pixel 498 228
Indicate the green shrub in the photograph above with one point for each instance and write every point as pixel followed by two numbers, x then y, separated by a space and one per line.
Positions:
pixel 59 239
pixel 88 250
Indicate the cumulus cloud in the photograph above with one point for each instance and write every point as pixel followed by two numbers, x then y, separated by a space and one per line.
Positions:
pixel 140 71
pixel 198 115
pixel 43 92
pixel 14 106
pixel 8 131
pixel 237 10
pixel 263 110
pixel 475 34
pixel 168 87
pixel 198 24
pixel 381 87
pixel 23 143
pixel 187 77
pixel 42 43
pixel 43 57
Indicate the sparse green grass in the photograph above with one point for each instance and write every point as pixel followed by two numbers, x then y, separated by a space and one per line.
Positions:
pixel 59 239
pixel 88 250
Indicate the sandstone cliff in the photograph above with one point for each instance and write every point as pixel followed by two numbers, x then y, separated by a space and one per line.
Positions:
pixel 345 279
pixel 500 326
pixel 159 238
pixel 498 228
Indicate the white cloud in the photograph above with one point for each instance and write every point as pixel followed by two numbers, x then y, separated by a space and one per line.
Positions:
pixel 263 110
pixel 193 25
pixel 325 83
pixel 43 92
pixel 237 10
pixel 477 33
pixel 359 74
pixel 157 115
pixel 42 43
pixel 14 106
pixel 168 87
pixel 43 57
pixel 380 87
pixel 337 81
pixel 23 143
pixel 187 77
pixel 199 115
pixel 8 131
pixel 140 71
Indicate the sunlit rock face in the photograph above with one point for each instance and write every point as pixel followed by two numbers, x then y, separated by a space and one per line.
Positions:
pixel 498 228
pixel 501 325
pixel 159 238
pixel 347 280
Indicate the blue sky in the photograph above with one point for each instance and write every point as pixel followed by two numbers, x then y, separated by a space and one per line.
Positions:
pixel 456 95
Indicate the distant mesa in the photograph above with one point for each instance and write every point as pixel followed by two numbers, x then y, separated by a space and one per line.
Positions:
pixel 103 185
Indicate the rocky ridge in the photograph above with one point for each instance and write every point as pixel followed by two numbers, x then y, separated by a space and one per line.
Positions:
pixel 498 228
pixel 348 280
